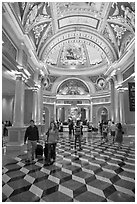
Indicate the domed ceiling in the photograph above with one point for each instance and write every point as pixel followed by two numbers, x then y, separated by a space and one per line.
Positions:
pixel 77 35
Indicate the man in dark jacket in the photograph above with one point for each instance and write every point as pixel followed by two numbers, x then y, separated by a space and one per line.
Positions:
pixel 32 135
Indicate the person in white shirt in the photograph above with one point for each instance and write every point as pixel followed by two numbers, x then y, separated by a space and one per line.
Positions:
pixel 113 131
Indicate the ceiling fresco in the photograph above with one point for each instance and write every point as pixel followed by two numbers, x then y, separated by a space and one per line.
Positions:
pixel 77 35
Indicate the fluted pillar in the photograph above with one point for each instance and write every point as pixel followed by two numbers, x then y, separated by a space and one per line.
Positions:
pixel 18 118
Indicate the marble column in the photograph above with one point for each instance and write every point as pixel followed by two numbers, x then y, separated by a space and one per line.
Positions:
pixel 117 115
pixel 17 131
pixel 87 116
pixel 41 110
pixel 39 105
pixel 54 111
pixel 91 111
pixel 35 105
pixel 58 113
pixel 118 81
pixel 121 105
pixel 112 96
pixel 18 118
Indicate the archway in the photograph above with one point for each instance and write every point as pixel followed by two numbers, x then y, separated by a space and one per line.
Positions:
pixel 102 114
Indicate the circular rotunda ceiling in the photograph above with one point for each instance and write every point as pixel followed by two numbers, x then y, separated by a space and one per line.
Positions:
pixel 77 36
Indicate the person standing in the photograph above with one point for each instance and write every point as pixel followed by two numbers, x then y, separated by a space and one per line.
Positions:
pixel 32 135
pixel 101 127
pixel 71 127
pixel 78 134
pixel 119 135
pixel 52 138
pixel 105 131
pixel 113 130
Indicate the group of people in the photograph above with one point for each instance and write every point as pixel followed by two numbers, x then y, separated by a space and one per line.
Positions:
pixel 110 128
pixel 52 136
pixel 32 135
pixel 51 139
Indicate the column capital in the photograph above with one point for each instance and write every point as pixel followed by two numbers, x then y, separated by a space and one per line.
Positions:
pixel 20 76
pixel 120 89
pixel 35 88
pixel 24 71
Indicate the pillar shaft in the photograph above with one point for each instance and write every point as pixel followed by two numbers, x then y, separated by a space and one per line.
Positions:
pixel 40 105
pixel 41 112
pixel 18 118
pixel 54 111
pixel 35 106
pixel 117 116
pixel 121 106
pixel 112 85
pixel 91 111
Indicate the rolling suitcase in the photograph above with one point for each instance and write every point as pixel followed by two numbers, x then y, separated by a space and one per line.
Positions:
pixel 39 150
pixel 46 151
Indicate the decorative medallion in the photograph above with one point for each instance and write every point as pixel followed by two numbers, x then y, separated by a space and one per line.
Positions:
pixel 101 83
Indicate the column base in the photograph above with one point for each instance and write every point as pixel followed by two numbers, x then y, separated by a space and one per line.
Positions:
pixel 16 139
pixel 17 149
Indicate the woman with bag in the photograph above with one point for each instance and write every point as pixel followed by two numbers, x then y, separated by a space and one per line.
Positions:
pixel 52 138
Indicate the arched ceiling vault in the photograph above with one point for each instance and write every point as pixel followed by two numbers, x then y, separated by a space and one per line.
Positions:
pixel 77 36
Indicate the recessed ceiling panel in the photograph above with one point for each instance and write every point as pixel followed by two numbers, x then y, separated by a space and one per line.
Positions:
pixel 78 20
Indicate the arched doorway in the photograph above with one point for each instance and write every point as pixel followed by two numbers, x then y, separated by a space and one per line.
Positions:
pixel 102 114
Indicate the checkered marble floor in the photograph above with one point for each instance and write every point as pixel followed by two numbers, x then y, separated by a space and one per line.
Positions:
pixel 100 172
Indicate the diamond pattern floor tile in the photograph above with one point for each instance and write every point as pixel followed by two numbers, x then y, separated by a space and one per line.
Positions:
pixel 98 173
